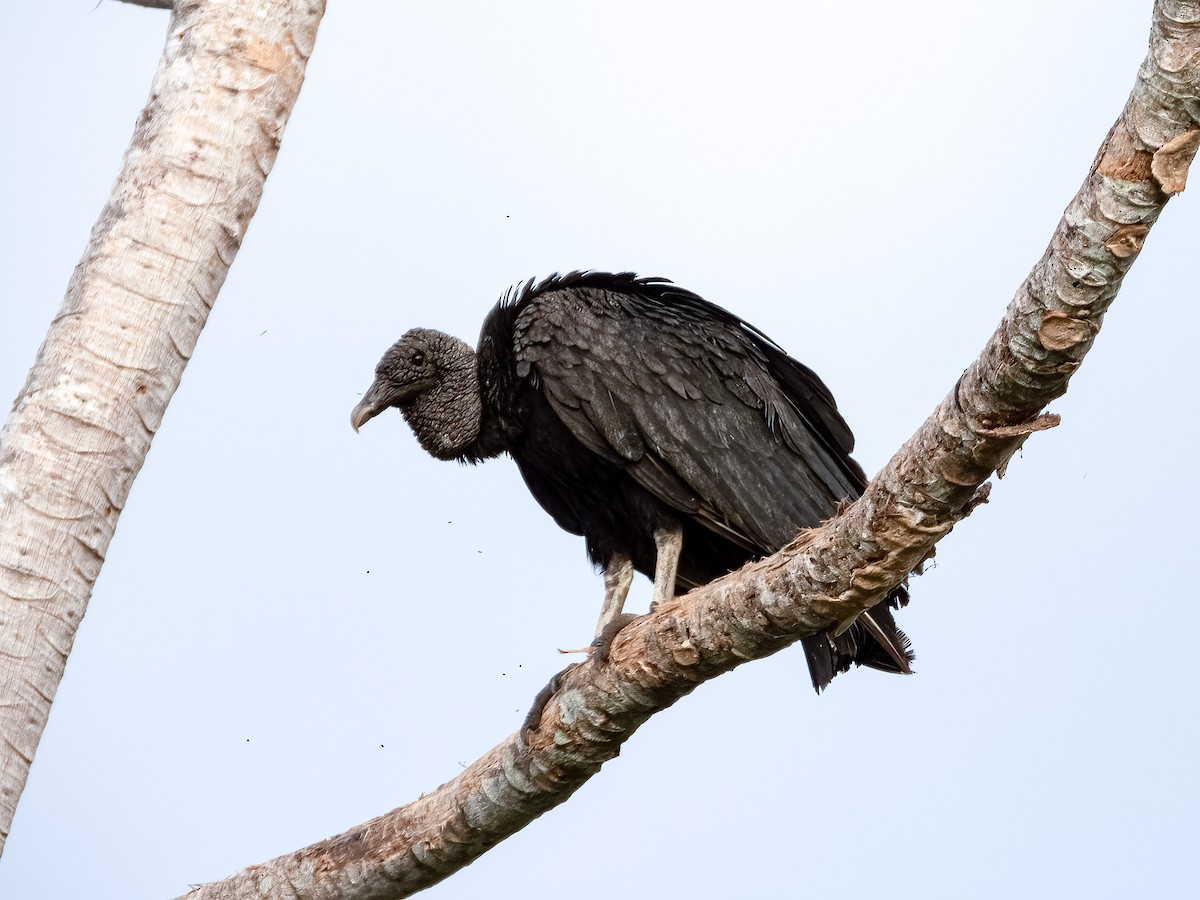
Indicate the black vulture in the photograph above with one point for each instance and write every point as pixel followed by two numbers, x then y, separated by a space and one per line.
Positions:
pixel 678 440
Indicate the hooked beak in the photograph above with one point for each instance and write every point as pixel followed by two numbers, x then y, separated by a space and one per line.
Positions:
pixel 379 396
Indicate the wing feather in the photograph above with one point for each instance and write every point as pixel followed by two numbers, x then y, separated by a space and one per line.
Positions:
pixel 703 412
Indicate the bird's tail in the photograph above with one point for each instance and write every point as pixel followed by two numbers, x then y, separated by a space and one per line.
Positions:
pixel 872 640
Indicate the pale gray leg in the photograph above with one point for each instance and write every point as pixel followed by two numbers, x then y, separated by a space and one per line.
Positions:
pixel 618 576
pixel 668 541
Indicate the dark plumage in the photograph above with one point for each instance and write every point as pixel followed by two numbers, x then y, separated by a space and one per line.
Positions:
pixel 669 433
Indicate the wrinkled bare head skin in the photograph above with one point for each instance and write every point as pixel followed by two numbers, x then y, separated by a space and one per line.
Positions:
pixel 432 379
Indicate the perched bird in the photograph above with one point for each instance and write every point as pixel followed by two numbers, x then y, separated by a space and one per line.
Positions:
pixel 678 440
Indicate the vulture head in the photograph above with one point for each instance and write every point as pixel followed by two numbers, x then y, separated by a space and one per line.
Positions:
pixel 433 379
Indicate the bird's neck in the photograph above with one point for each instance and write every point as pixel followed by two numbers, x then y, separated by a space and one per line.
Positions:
pixel 447 419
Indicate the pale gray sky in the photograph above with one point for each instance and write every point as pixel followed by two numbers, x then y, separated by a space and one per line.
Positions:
pixel 299 628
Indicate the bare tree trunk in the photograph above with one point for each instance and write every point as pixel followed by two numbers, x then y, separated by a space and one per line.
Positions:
pixel 81 427
pixel 831 574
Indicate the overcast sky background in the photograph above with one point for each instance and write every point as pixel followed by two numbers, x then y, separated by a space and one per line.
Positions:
pixel 299 628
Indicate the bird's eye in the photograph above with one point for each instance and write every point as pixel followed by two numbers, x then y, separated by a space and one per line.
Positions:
pixel 418 358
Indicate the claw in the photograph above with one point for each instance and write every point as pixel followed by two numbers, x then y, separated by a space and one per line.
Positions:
pixel 602 645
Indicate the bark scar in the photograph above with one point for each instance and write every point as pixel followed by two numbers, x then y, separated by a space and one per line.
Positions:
pixel 1173 159
pixel 1059 331
pixel 1127 240
pixel 1043 422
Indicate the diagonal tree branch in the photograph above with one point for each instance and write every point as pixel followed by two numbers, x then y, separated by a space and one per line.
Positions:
pixel 153 4
pixel 828 575
pixel 82 425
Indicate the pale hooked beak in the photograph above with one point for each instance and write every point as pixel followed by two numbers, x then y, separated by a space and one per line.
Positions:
pixel 379 396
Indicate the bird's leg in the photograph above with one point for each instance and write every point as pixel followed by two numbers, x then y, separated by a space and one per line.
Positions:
pixel 618 576
pixel 668 541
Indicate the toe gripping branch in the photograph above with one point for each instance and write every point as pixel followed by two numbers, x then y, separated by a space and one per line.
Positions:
pixel 600 649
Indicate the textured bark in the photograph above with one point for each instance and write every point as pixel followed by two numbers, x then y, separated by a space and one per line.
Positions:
pixel 828 575
pixel 81 426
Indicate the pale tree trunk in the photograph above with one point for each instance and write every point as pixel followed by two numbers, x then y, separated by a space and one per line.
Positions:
pixel 830 574
pixel 81 426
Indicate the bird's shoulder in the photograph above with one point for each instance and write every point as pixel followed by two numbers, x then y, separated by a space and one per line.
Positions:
pixel 636 323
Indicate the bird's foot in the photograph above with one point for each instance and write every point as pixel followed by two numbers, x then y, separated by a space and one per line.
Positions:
pixel 599 649
pixel 533 718
pixel 602 645
pixel 604 637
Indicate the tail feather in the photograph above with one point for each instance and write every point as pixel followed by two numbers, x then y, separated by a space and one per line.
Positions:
pixel 872 640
